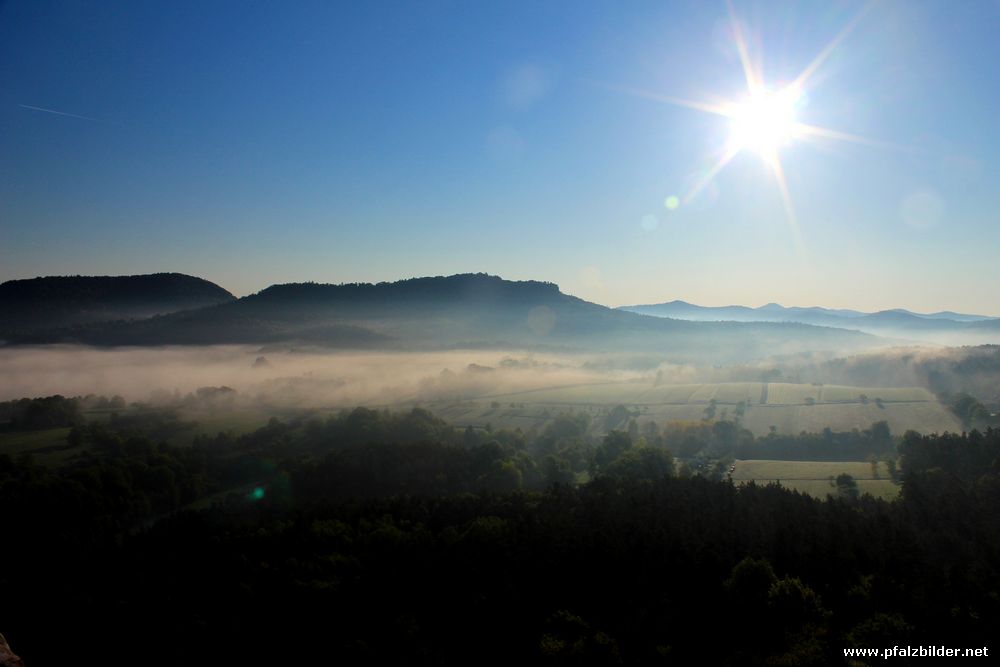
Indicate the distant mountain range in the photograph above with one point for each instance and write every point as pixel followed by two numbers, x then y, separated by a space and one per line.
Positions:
pixel 778 313
pixel 945 326
pixel 468 310
pixel 41 303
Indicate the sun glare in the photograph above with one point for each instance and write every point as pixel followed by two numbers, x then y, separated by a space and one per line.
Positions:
pixel 764 122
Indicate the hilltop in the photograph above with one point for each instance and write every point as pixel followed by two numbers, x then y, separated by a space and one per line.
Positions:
pixel 59 301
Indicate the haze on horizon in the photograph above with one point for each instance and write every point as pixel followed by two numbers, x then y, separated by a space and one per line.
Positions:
pixel 268 144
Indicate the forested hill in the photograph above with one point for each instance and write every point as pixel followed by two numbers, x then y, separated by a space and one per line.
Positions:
pixel 478 287
pixel 58 301
pixel 456 311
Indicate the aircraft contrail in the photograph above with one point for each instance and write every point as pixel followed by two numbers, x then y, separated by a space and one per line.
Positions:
pixel 58 113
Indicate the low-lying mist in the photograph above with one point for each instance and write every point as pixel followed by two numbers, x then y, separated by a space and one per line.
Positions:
pixel 293 378
pixel 289 378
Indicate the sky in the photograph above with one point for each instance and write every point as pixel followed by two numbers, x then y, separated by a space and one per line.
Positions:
pixel 253 143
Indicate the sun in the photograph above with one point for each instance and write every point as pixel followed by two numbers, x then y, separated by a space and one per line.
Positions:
pixel 764 122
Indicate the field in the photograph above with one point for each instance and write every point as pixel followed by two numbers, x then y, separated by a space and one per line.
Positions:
pixel 790 408
pixel 813 477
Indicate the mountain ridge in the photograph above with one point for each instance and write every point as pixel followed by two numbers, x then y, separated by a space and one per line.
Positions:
pixel 448 311
pixel 777 307
pixel 44 302
pixel 896 322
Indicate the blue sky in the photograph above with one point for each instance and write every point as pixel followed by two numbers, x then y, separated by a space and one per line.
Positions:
pixel 259 142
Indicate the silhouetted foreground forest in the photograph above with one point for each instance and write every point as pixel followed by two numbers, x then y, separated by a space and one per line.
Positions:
pixel 378 538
